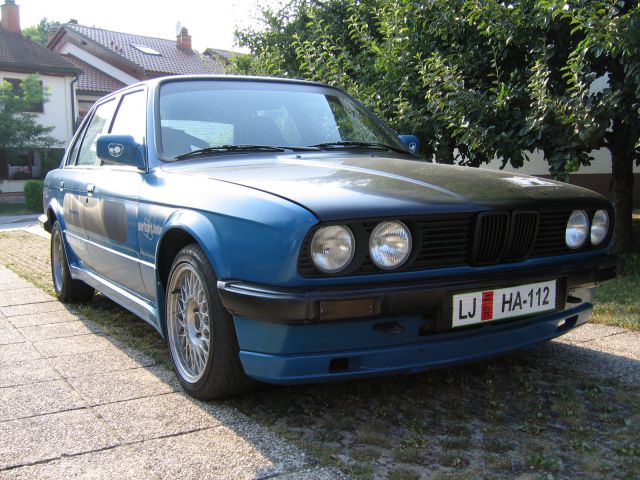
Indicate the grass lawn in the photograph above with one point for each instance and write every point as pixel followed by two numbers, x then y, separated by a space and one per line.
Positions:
pixel 618 302
pixel 520 416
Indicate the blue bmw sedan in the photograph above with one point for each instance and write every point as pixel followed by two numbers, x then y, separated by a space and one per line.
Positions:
pixel 275 230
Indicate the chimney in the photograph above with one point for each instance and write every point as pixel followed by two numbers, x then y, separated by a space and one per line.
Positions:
pixel 183 40
pixel 10 17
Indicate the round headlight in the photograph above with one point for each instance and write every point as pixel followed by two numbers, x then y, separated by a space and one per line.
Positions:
pixel 577 229
pixel 390 244
pixel 599 227
pixel 332 248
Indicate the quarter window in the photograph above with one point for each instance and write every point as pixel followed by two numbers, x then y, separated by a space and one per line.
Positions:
pixel 99 125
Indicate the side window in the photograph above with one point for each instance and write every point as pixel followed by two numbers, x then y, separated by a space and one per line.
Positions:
pixel 71 159
pixel 131 118
pixel 99 124
pixel 73 152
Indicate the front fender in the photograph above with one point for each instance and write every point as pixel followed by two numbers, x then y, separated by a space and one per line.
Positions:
pixel 203 231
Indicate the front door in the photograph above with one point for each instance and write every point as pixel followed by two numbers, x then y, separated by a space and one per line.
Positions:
pixel 112 205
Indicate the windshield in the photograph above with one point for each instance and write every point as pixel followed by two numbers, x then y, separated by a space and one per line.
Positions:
pixel 199 114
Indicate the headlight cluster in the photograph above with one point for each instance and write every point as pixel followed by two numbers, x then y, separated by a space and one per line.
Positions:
pixel 333 247
pixel 578 228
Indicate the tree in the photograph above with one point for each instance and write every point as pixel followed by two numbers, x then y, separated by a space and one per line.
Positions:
pixel 476 79
pixel 19 127
pixel 39 33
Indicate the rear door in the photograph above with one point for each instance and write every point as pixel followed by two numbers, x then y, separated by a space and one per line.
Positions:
pixel 112 206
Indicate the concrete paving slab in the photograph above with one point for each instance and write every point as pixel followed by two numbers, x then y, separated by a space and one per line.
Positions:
pixel 37 399
pixel 589 332
pixel 27 371
pixel 30 440
pixel 31 308
pixel 59 330
pixel 10 284
pixel 240 452
pixel 57 347
pixel 164 415
pixel 5 324
pixel 20 321
pixel 5 274
pixel 10 334
pixel 119 463
pixel 16 352
pixel 125 385
pixel 94 363
pixel 20 296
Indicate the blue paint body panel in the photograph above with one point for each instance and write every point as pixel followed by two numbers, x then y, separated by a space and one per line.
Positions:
pixel 391 356
pixel 251 212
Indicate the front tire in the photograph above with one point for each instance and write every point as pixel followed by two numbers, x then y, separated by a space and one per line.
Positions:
pixel 201 335
pixel 67 289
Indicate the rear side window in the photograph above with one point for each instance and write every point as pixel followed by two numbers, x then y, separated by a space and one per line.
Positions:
pixel 131 118
pixel 99 124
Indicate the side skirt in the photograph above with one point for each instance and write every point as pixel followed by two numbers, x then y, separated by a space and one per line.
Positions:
pixel 134 304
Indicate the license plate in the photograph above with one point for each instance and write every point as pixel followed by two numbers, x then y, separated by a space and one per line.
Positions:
pixel 487 305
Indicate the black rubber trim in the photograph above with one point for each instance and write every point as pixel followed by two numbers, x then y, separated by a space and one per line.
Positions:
pixel 427 297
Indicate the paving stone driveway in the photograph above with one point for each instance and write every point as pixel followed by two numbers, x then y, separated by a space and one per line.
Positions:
pixel 74 402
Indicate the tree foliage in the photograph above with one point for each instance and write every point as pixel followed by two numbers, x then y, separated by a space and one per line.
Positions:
pixel 476 79
pixel 19 128
pixel 39 33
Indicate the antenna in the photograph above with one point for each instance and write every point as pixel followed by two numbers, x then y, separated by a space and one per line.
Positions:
pixel 178 28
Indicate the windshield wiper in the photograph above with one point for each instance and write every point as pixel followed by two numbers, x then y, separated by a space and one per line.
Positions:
pixel 230 148
pixel 366 145
pixel 246 148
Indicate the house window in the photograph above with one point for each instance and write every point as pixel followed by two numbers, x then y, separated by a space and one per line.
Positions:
pixel 17 90
pixel 145 49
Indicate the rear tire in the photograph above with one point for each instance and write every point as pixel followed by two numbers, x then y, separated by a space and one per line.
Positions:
pixel 67 289
pixel 201 334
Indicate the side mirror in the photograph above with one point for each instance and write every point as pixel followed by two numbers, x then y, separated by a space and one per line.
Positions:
pixel 120 150
pixel 411 142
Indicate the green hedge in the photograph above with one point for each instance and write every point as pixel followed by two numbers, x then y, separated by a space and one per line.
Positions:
pixel 33 195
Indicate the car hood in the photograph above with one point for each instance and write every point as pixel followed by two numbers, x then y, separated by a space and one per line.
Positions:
pixel 347 186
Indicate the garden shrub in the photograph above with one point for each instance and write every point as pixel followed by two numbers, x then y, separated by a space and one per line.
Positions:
pixel 33 195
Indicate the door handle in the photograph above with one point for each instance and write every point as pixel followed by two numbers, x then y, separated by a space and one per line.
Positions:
pixel 61 185
pixel 91 188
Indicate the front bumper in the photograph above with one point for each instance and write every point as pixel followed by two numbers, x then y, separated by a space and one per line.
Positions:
pixel 339 332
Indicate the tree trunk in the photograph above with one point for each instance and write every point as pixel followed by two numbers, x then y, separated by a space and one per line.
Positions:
pixel 622 147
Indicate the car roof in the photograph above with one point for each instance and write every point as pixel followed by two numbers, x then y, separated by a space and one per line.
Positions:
pixel 154 82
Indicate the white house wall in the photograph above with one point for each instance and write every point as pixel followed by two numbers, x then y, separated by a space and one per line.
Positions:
pixel 96 62
pixel 537 165
pixel 57 111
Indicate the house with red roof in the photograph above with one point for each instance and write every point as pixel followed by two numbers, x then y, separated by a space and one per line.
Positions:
pixel 110 60
pixel 19 58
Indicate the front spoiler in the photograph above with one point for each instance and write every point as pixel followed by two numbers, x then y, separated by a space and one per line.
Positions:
pixel 435 351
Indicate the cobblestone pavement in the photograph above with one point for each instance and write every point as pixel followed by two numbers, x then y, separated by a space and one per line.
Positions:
pixel 76 402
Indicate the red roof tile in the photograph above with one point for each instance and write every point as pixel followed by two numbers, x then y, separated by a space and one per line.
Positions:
pixel 170 59
pixel 94 80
